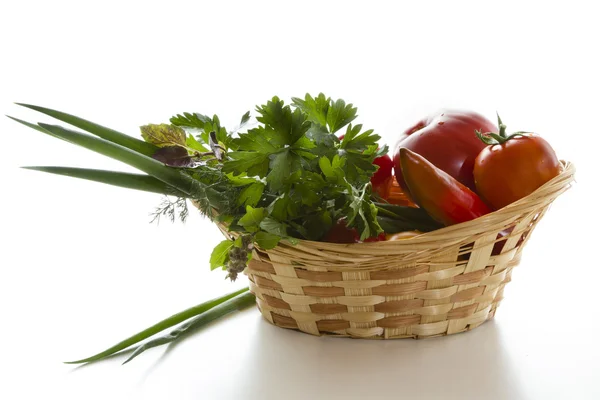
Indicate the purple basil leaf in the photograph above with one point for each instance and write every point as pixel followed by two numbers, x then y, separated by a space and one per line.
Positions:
pixel 174 156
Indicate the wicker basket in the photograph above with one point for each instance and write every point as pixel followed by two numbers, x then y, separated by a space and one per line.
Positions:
pixel 447 281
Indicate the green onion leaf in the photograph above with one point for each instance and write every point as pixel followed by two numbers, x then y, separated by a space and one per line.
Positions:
pixel 239 302
pixel 105 133
pixel 126 180
pixel 160 326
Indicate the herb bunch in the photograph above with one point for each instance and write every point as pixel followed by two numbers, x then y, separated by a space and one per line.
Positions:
pixel 286 177
pixel 289 177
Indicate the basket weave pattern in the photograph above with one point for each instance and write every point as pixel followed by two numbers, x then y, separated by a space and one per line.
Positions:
pixel 442 282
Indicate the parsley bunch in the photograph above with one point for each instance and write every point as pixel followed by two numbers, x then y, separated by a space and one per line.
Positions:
pixel 291 176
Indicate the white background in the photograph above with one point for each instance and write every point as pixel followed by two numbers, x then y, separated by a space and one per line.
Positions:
pixel 81 267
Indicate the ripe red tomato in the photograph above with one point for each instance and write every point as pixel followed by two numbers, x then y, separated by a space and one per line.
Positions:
pixel 340 233
pixel 384 189
pixel 378 238
pixel 514 168
pixel 385 164
pixel 446 139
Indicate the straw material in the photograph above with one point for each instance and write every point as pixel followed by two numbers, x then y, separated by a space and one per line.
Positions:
pixel 438 283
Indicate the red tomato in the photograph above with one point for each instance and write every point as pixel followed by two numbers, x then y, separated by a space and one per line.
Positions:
pixel 378 238
pixel 514 167
pixel 446 139
pixel 385 164
pixel 340 233
pixel 384 189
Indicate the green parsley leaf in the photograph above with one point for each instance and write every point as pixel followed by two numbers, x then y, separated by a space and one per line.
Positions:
pixel 189 120
pixel 288 126
pixel 192 143
pixel 298 126
pixel 241 180
pixel 354 140
pixel 333 170
pixel 258 139
pixel 306 193
pixel 321 136
pixel 283 208
pixel 282 166
pixel 317 225
pixel 251 163
pixel 251 195
pixel 339 115
pixel 277 117
pixel 315 108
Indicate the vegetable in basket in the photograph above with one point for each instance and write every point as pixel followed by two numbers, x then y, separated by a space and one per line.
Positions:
pixel 444 198
pixel 512 166
pixel 447 140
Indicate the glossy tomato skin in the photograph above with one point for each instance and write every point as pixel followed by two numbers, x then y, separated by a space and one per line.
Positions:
pixel 385 164
pixel 384 189
pixel 507 172
pixel 447 139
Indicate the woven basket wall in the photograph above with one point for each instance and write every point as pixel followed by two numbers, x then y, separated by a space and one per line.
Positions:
pixel 447 281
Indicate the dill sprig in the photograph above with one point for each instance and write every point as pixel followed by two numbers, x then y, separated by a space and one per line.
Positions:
pixel 170 208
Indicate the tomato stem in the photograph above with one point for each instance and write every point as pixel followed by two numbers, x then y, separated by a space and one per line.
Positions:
pixel 501 127
pixel 491 138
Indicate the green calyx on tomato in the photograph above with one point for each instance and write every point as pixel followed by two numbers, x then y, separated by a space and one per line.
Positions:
pixel 491 138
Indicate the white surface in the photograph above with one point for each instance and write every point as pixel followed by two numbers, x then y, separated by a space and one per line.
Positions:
pixel 81 268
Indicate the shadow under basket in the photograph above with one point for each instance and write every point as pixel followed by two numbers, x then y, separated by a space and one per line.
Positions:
pixel 447 281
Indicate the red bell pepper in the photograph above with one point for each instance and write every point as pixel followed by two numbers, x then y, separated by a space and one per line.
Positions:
pixel 444 198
